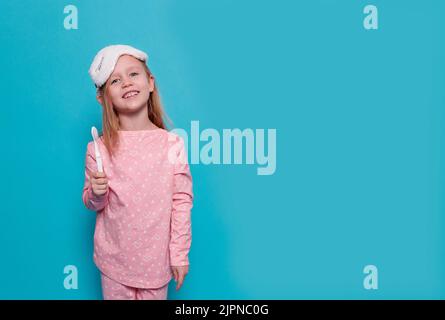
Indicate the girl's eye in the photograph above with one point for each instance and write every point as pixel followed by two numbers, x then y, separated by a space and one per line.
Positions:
pixel 133 73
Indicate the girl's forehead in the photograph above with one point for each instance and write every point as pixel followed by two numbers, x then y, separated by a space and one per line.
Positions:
pixel 125 62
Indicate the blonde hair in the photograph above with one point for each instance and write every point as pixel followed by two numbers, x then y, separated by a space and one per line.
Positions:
pixel 110 118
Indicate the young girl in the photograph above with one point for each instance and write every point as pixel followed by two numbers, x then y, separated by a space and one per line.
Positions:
pixel 143 197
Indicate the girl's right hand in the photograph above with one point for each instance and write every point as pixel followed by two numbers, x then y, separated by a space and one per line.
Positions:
pixel 99 183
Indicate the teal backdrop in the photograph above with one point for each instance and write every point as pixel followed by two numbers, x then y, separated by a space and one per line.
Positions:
pixel 358 114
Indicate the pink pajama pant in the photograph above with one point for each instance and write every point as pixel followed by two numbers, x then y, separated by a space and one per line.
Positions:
pixel 113 290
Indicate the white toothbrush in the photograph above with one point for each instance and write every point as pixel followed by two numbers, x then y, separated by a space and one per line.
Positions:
pixel 96 149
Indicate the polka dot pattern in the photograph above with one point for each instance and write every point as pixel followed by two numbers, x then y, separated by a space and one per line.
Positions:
pixel 143 223
pixel 113 290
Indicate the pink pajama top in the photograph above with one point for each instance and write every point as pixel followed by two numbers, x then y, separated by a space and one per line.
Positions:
pixel 143 222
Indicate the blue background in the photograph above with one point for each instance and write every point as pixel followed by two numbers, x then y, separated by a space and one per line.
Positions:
pixel 359 119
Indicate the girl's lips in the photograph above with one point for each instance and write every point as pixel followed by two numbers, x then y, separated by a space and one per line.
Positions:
pixel 130 92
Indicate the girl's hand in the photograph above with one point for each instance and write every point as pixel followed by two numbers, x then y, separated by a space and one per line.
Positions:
pixel 179 273
pixel 99 183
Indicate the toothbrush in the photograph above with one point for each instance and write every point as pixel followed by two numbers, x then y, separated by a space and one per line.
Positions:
pixel 96 149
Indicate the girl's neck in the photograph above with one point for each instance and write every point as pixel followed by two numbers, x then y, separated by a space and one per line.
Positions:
pixel 136 120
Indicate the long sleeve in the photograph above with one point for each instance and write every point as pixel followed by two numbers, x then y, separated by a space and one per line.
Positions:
pixel 181 237
pixel 90 200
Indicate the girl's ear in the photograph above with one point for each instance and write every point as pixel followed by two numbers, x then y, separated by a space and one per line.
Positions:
pixel 100 99
pixel 151 83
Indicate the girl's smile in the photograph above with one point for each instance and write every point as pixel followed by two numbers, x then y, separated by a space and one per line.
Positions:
pixel 130 94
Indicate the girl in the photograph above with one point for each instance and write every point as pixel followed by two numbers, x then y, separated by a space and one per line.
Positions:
pixel 143 197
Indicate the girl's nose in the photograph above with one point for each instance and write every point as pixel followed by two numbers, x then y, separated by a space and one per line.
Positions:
pixel 126 82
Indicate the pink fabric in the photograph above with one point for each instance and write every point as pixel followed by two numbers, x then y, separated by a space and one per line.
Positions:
pixel 112 290
pixel 143 222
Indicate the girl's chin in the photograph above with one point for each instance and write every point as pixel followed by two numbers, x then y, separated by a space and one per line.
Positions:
pixel 132 102
pixel 130 106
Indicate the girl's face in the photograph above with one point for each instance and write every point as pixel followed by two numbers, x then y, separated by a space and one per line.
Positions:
pixel 128 86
